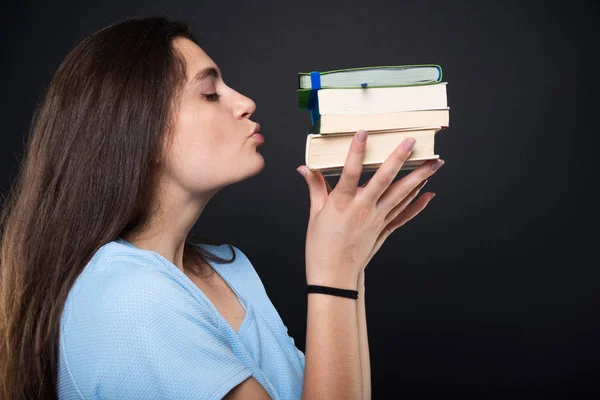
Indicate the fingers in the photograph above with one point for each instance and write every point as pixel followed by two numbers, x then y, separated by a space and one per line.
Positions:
pixel 401 219
pixel 352 170
pixel 318 188
pixel 410 212
pixel 402 188
pixel 404 203
pixel 386 173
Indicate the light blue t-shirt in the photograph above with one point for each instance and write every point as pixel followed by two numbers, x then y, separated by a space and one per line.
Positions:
pixel 134 326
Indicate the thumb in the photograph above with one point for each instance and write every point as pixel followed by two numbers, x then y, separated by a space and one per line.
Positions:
pixel 317 187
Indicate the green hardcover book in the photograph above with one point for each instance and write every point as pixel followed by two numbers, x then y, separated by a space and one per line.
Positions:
pixel 368 77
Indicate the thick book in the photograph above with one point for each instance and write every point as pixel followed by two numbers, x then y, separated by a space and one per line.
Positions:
pixel 328 153
pixel 350 123
pixel 369 77
pixel 382 100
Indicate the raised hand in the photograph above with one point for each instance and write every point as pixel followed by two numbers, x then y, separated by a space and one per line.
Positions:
pixel 348 225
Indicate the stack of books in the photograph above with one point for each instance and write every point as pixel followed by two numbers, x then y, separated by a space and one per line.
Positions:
pixel 390 102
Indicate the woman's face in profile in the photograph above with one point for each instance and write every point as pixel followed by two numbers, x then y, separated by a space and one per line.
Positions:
pixel 211 146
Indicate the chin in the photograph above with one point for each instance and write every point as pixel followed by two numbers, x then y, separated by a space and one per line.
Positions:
pixel 261 164
pixel 255 165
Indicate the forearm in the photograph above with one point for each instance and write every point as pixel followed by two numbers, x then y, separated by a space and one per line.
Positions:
pixel 332 368
pixel 363 338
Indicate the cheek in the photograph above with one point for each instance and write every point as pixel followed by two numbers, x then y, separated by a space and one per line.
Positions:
pixel 202 136
pixel 200 146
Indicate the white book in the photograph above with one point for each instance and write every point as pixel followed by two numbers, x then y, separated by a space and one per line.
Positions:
pixel 350 123
pixel 328 153
pixel 382 99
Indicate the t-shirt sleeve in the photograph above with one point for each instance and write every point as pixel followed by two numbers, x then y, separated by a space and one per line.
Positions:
pixel 151 339
pixel 302 357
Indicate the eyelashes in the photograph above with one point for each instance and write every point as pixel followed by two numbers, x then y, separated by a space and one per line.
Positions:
pixel 212 96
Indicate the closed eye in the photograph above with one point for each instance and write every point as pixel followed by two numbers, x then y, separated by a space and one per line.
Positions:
pixel 211 96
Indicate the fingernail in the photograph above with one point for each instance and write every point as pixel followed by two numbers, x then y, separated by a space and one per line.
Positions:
pixel 435 166
pixel 301 171
pixel 432 196
pixel 362 135
pixel 409 144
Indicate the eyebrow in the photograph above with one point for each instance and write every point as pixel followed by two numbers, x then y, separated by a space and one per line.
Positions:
pixel 204 73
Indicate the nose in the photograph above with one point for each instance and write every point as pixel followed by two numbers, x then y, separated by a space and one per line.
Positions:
pixel 245 107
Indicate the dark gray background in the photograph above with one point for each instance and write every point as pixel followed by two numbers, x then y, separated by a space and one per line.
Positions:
pixel 492 290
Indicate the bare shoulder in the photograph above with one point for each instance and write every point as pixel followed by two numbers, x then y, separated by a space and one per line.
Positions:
pixel 248 389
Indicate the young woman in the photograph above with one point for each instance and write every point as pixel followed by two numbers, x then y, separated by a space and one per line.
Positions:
pixel 102 293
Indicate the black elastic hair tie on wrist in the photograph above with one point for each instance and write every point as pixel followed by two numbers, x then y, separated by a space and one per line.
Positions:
pixel 351 294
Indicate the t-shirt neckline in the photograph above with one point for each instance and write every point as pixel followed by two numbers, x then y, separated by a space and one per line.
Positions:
pixel 245 304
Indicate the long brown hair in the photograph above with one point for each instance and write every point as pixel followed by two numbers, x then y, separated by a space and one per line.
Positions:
pixel 90 167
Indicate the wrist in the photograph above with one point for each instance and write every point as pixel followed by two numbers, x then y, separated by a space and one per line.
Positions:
pixel 361 280
pixel 349 283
